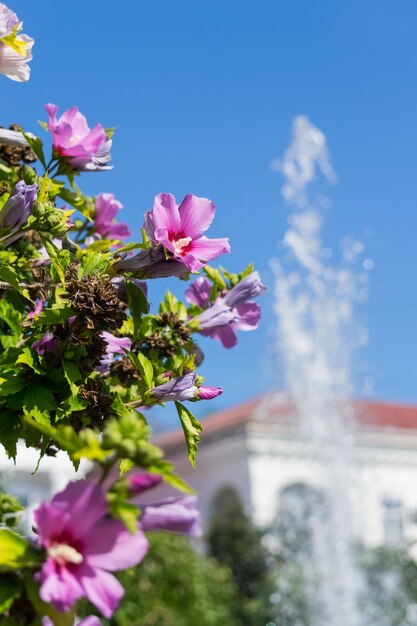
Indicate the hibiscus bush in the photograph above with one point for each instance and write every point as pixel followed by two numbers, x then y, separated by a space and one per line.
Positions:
pixel 83 356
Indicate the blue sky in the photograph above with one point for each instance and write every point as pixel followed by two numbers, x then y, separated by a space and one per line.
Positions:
pixel 203 94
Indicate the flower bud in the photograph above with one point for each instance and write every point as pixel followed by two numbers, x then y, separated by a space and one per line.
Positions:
pixel 29 174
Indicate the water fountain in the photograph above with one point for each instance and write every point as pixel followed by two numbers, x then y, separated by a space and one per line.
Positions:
pixel 314 306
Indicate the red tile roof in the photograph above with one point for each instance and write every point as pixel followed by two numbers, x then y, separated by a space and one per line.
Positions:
pixel 367 414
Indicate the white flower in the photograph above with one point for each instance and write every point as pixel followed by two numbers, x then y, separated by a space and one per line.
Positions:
pixel 15 49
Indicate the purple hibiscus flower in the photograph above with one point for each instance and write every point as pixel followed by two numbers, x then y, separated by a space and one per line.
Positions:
pixel 180 228
pixel 83 546
pixel 15 48
pixel 176 514
pixel 115 345
pixel 107 207
pixel 16 211
pixel 86 149
pixel 230 312
pixel 47 343
pixel 184 388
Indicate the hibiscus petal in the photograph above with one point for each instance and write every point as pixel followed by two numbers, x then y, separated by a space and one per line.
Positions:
pixel 107 207
pixel 60 587
pixel 177 514
pixel 91 620
pixel 165 214
pixel 249 316
pixel 87 503
pixel 219 314
pixel 110 546
pixel 196 215
pixel 12 64
pixel 249 287
pixel 199 292
pixel 77 121
pixel 225 334
pixel 202 250
pixel 142 481
pixel 50 521
pixel 101 589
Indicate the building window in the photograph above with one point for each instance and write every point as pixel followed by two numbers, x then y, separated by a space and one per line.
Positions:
pixel 393 521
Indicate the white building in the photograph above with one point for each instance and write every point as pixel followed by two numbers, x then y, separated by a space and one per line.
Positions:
pixel 31 480
pixel 257 449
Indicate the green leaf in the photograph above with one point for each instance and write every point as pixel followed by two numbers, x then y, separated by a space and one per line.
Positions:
pixel 4 171
pixel 10 587
pixel 144 366
pixel 30 358
pixel 92 263
pixel 72 374
pixel 172 304
pixel 138 304
pixel 165 469
pixel 125 465
pixel 38 400
pixel 10 430
pixel 77 200
pixel 55 315
pixel 10 386
pixel 215 275
pixel 126 512
pixel 9 315
pixel 36 145
pixel 192 429
pixel 57 258
pixel 9 275
pixel 128 247
pixel 15 551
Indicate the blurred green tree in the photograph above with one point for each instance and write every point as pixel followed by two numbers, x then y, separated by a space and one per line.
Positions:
pixel 174 586
pixel 390 596
pixel 236 543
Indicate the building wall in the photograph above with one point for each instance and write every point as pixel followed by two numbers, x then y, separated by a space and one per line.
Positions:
pixel 220 463
pixel 380 481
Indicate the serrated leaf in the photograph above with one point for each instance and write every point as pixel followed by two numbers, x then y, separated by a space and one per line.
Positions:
pixel 188 364
pixel 125 465
pixel 77 200
pixel 9 315
pixel 36 146
pixel 10 429
pixel 15 551
pixel 144 366
pixel 165 469
pixel 129 246
pixel 92 263
pixel 30 358
pixel 215 275
pixel 9 275
pixel 72 375
pixel 38 400
pixel 10 386
pixel 192 429
pixel 126 512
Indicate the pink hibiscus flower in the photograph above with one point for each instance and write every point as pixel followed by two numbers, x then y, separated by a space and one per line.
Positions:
pixel 180 228
pixel 83 546
pixel 87 149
